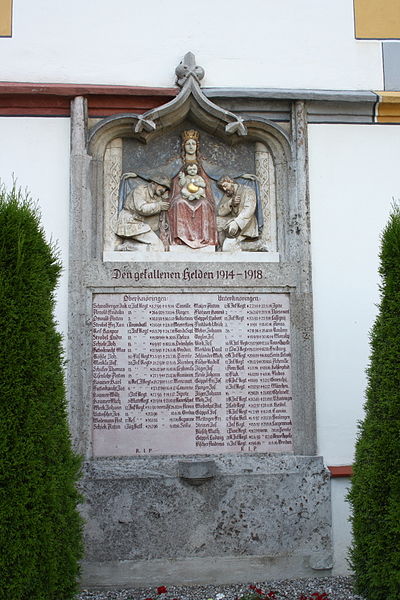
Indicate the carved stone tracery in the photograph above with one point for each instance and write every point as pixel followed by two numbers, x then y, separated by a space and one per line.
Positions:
pixel 112 178
pixel 266 179
pixel 191 106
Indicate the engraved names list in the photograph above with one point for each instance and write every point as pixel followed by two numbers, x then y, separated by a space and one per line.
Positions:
pixel 191 373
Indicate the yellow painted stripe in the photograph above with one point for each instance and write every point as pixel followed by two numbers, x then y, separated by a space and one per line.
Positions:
pixel 388 107
pixel 377 19
pixel 5 18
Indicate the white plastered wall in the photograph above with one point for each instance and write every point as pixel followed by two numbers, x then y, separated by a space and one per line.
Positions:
pixel 354 176
pixel 36 152
pixel 257 43
pixel 341 529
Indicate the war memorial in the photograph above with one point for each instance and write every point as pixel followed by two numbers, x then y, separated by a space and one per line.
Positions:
pixel 191 374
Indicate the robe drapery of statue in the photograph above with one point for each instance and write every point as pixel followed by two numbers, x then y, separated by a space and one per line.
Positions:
pixel 179 204
pixel 192 217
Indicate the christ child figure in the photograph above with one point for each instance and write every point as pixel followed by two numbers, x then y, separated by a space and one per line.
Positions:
pixel 192 184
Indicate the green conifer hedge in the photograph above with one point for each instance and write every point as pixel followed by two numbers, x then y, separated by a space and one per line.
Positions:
pixel 40 528
pixel 375 490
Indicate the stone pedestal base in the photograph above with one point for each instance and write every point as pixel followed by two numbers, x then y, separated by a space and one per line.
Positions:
pixel 221 570
pixel 257 518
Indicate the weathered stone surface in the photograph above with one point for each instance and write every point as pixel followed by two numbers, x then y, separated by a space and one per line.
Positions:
pixel 259 515
pixel 140 509
pixel 196 571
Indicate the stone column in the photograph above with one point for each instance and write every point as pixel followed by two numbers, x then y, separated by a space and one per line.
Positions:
pixel 79 253
pixel 265 172
pixel 112 177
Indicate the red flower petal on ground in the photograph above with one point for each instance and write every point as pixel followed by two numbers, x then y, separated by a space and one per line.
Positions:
pixel 258 591
pixel 252 587
pixel 161 589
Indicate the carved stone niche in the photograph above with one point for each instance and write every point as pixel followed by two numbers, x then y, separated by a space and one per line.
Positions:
pixel 160 190
pixel 128 165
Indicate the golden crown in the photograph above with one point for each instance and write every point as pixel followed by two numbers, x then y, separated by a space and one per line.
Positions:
pixel 190 134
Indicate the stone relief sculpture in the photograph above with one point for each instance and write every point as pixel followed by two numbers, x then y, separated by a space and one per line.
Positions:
pixel 197 217
pixel 236 218
pixel 192 184
pixel 179 205
pixel 140 219
pixel 192 221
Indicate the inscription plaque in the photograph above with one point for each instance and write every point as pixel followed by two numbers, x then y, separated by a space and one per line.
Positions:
pixel 191 373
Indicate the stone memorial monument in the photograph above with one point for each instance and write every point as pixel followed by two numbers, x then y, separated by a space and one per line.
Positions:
pixel 191 360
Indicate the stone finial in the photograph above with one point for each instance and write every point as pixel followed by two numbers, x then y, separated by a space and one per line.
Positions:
pixel 188 67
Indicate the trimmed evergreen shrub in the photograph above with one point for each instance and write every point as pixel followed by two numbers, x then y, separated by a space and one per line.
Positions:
pixel 375 490
pixel 40 528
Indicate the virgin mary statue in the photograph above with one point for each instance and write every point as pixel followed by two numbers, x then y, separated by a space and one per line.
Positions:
pixel 191 216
